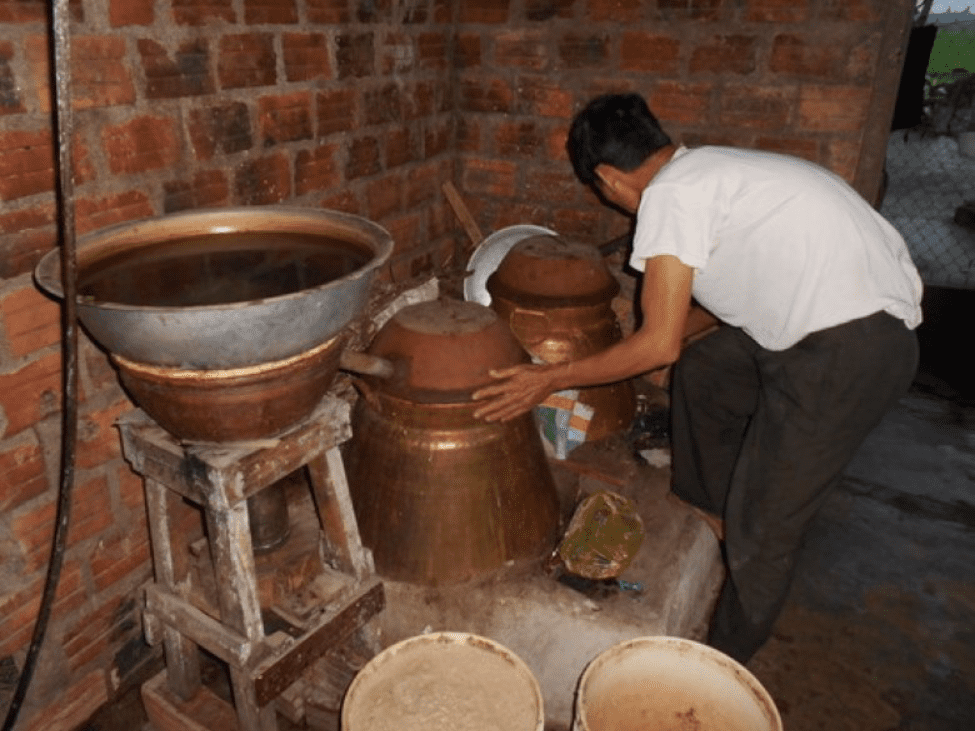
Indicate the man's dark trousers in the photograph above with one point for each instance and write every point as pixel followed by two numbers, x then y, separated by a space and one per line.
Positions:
pixel 760 437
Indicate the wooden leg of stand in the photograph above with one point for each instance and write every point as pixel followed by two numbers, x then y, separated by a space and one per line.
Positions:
pixel 240 609
pixel 335 512
pixel 182 655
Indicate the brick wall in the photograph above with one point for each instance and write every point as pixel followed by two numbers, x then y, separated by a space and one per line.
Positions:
pixel 365 106
pixel 794 76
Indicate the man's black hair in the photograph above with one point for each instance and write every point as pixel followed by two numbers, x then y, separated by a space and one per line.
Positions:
pixel 613 129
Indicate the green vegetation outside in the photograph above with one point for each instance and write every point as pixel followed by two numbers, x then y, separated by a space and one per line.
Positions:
pixel 953 49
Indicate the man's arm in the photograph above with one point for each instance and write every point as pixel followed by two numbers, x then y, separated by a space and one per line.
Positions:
pixel 665 299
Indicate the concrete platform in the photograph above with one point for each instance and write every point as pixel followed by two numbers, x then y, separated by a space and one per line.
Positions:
pixel 557 630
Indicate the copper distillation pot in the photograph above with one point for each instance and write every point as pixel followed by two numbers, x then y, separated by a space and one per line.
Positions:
pixel 441 497
pixel 557 296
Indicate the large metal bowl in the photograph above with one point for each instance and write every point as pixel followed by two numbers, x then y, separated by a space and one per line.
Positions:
pixel 233 334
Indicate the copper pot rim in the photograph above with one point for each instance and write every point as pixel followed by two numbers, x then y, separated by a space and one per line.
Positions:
pixel 501 290
pixel 177 374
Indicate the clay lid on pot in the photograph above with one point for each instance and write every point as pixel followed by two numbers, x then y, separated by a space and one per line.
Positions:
pixel 442 350
pixel 552 268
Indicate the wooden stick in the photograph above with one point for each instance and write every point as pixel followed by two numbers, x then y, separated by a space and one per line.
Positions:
pixel 464 215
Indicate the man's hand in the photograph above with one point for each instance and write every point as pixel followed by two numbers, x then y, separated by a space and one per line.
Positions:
pixel 518 390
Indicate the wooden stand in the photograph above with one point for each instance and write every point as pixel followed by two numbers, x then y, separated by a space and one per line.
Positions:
pixel 219 478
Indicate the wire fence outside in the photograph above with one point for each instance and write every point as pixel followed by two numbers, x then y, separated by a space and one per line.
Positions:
pixel 928 180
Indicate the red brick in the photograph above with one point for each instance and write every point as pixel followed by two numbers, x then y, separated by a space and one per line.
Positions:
pixel 98 439
pixel 336 111
pixel 556 185
pixel 202 12
pixel 555 146
pixel 11 101
pixel 539 10
pixel 382 105
pixel 247 60
pixel 649 52
pixel 483 11
pixel 794 55
pixel 131 12
pixel 145 143
pixel 91 513
pixel 405 231
pixel 355 55
pixel 224 128
pixel 100 72
pixel 617 11
pixel 396 54
pixel 22 474
pixel 725 54
pixel 74 705
pixel 467 50
pixel 316 170
pixel 206 189
pixel 257 12
pixel 328 12
pixel 37 55
pixel 583 51
pixel 843 157
pixel 468 135
pixel 342 200
pixel 99 377
pixel 31 321
pixel 27 236
pixel 23 11
pixel 124 557
pixel 489 177
pixel 363 158
pixel 97 629
pixel 833 108
pixel 546 97
pixel 26 164
pixel 486 95
pixel 384 197
pixel 432 51
pixel 187 73
pixel 81 164
pixel 673 101
pixel 861 64
pixel 401 147
pixel 18 610
pixel 574 222
pixel 31 393
pixel 854 10
pixel 423 100
pixel 756 107
pixel 777 11
pixel 522 49
pixel 131 489
pixel 423 186
pixel 263 181
pixel 97 214
pixel 306 56
pixel 519 139
pixel 436 140
pixel 797 146
pixel 690 9
pixel 285 118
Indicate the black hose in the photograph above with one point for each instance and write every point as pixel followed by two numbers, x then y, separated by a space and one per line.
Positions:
pixel 69 411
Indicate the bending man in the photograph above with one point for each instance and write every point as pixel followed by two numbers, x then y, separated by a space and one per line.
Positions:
pixel 818 299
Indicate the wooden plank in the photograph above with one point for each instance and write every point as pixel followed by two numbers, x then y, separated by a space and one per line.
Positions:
pixel 334 629
pixel 462 213
pixel 182 655
pixel 203 712
pixel 207 632
pixel 337 516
